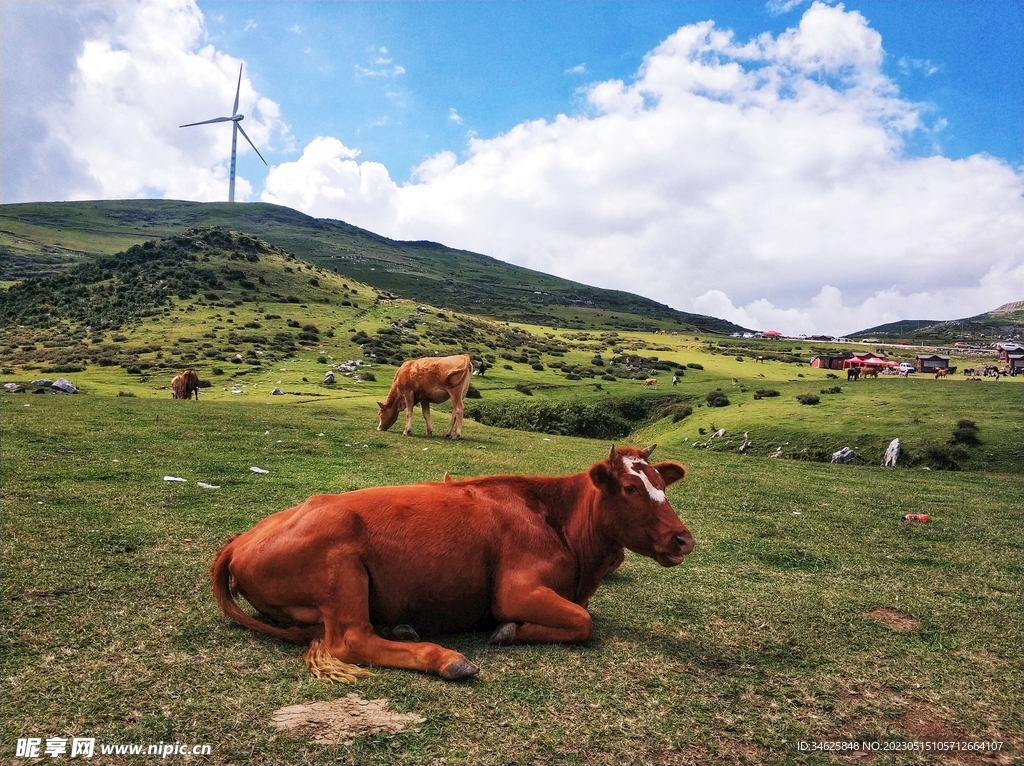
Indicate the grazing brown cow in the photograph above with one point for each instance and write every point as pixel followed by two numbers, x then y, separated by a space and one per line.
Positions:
pixel 427 381
pixel 651 383
pixel 869 372
pixel 184 385
pixel 523 553
pixel 940 373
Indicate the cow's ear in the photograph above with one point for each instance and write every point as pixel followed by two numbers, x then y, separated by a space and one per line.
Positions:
pixel 601 475
pixel 380 405
pixel 670 472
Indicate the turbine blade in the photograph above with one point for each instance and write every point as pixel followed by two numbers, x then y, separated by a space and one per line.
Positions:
pixel 238 90
pixel 206 122
pixel 251 143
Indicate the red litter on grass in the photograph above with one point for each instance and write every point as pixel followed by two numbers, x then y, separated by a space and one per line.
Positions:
pixel 916 517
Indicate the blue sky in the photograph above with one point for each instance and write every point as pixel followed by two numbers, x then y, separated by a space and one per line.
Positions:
pixel 501 63
pixel 793 165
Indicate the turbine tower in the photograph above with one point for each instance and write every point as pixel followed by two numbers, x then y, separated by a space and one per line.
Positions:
pixel 235 119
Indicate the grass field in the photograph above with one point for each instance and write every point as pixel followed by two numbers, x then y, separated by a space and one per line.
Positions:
pixel 809 611
pixel 764 637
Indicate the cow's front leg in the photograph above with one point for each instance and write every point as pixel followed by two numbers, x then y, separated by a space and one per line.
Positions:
pixel 349 637
pixel 426 418
pixel 408 416
pixel 539 616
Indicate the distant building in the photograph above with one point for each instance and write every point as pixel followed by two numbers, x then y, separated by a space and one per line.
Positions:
pixel 1005 349
pixel 932 362
pixel 829 361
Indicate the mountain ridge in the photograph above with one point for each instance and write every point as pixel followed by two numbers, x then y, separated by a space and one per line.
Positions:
pixel 53 236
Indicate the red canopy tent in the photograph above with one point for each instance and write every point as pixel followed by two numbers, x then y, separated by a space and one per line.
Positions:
pixel 772 334
pixel 869 362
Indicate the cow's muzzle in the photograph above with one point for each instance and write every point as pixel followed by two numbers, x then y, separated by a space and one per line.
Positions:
pixel 681 545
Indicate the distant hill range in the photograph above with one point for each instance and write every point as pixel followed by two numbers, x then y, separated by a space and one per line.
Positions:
pixel 39 239
pixel 1003 323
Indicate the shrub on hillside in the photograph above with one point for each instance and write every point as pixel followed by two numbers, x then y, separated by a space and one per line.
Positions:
pixel 524 388
pixel 716 398
pixel 808 399
pixel 473 393
pixel 966 432
pixel 695 366
pixel 680 411
pixel 944 457
pixel 765 393
pixel 832 390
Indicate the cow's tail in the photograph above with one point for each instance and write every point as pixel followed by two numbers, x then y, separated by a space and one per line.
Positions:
pixel 319 660
pixel 220 574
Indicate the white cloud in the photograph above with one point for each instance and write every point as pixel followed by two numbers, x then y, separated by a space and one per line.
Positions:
pixel 780 7
pixel 128 77
pixel 383 66
pixel 765 182
pixel 327 178
pixel 454 116
pixel 578 69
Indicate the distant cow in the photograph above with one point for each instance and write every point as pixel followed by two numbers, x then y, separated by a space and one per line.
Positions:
pixel 869 372
pixel 184 385
pixel 520 554
pixel 650 383
pixel 853 373
pixel 427 381
pixel 940 373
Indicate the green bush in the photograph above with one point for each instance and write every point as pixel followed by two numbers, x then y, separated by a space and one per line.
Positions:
pixel 524 388
pixel 567 418
pixel 808 399
pixel 944 457
pixel 367 376
pixel 832 390
pixel 716 398
pixel 473 393
pixel 966 432
pixel 695 366
pixel 680 411
pixel 765 393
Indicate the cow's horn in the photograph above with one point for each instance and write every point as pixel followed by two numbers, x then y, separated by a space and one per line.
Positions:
pixel 613 454
pixel 647 452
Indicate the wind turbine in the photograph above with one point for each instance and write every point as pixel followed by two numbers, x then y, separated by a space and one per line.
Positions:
pixel 235 119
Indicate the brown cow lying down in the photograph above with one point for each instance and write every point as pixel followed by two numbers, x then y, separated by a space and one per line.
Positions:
pixel 184 385
pixel 427 381
pixel 523 553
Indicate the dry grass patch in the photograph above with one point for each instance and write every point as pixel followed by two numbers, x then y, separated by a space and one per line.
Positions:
pixel 895 619
pixel 340 721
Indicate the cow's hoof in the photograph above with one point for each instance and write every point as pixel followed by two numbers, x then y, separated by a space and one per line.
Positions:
pixel 503 635
pixel 458 670
pixel 404 633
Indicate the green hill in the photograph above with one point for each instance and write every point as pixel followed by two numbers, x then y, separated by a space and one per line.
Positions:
pixel 1003 323
pixel 47 238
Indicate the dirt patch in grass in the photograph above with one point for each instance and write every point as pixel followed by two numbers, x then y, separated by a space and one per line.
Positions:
pixel 895 619
pixel 341 720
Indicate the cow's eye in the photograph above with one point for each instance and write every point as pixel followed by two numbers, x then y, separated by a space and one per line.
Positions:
pixel 630 490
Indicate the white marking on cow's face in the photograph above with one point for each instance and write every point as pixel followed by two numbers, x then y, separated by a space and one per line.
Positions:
pixel 629 463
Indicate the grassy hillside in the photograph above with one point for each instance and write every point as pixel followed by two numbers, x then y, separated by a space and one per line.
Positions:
pixel 44 237
pixel 1004 323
